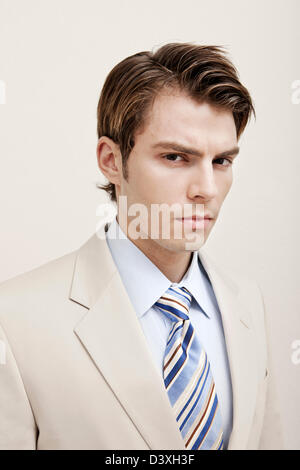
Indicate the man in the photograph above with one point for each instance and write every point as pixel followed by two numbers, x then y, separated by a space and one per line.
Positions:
pixel 139 340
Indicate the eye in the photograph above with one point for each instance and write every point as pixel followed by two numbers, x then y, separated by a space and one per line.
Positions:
pixel 170 157
pixel 229 162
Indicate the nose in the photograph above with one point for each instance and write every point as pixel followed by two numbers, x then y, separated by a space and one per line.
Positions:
pixel 202 183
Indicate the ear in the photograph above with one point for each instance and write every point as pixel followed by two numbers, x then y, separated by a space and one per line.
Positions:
pixel 109 159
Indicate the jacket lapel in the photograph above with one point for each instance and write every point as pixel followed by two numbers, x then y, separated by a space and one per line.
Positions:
pixel 111 333
pixel 240 344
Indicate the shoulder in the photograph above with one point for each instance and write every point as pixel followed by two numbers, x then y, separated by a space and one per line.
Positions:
pixel 236 279
pixel 37 288
pixel 54 269
pixel 243 288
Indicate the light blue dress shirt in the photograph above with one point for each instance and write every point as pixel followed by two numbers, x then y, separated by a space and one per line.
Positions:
pixel 145 284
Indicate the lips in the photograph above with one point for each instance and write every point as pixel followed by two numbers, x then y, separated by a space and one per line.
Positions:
pixel 196 218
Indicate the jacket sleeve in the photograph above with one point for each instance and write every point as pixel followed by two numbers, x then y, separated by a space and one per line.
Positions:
pixel 272 432
pixel 18 430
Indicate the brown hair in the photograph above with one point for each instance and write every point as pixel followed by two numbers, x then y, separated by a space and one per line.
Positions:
pixel 204 72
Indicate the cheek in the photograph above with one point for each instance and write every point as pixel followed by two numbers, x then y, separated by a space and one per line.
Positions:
pixel 149 182
pixel 225 185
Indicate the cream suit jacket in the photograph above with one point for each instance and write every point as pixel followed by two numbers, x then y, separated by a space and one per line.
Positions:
pixel 76 371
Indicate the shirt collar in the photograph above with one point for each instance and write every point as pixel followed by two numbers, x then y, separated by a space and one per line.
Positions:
pixel 144 282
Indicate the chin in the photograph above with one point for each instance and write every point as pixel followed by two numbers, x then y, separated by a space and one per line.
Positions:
pixel 184 245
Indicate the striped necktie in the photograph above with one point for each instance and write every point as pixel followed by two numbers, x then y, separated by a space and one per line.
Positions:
pixel 188 377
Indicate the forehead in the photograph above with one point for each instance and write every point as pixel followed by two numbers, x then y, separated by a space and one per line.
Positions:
pixel 176 115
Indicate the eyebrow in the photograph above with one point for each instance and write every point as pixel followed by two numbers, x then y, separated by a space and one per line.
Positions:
pixel 181 148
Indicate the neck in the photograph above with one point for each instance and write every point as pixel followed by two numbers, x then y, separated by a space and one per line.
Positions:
pixel 172 264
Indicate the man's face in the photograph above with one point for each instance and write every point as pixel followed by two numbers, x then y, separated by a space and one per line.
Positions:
pixel 176 160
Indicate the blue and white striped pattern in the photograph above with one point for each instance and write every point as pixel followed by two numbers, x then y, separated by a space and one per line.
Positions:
pixel 188 376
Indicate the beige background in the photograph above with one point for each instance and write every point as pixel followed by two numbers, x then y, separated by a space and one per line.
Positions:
pixel 54 57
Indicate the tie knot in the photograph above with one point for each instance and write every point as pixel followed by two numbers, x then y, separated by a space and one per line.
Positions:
pixel 175 303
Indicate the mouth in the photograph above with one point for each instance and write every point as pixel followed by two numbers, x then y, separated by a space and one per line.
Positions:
pixel 196 222
pixel 196 217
